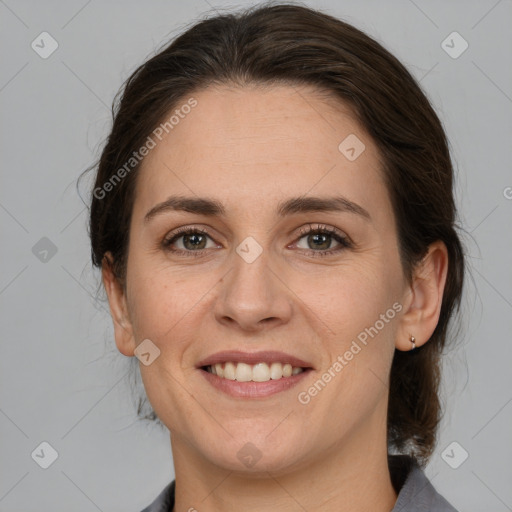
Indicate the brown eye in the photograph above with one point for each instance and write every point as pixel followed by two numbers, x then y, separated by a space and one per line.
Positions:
pixel 194 241
pixel 187 241
pixel 319 241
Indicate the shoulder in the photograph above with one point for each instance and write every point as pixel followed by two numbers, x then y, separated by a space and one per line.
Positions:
pixel 164 502
pixel 415 492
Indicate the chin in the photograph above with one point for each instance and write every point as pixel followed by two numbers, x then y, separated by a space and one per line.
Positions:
pixel 255 455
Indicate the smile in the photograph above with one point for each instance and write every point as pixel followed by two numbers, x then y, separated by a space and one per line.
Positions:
pixel 260 372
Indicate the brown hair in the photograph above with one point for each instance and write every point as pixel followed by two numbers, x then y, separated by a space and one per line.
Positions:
pixel 296 45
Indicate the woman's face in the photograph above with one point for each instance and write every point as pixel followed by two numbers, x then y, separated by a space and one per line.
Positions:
pixel 271 275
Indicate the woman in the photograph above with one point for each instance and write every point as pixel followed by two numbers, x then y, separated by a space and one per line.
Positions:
pixel 274 221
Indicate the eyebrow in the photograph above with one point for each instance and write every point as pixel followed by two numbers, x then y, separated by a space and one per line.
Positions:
pixel 213 208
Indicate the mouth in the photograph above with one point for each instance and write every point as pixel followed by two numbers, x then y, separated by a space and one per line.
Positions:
pixel 253 375
pixel 259 372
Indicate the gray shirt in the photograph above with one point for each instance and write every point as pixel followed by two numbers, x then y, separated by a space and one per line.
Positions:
pixel 415 492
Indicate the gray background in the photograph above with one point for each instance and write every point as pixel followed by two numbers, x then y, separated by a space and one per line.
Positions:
pixel 62 379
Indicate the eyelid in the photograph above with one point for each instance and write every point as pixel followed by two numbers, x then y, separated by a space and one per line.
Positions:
pixel 342 238
pixel 184 230
pixel 317 226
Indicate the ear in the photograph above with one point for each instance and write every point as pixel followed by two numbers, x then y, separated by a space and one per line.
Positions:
pixel 123 330
pixel 423 298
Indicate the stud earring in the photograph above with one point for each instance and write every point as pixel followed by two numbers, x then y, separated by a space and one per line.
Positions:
pixel 412 339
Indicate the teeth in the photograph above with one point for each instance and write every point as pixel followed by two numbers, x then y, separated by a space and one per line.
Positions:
pixel 229 371
pixel 260 372
pixel 276 371
pixel 218 370
pixel 243 372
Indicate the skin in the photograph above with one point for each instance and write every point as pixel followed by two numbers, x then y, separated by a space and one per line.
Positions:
pixel 250 148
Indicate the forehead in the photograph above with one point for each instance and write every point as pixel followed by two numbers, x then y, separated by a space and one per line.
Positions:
pixel 246 144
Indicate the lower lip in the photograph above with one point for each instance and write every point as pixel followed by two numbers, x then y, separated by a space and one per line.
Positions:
pixel 253 389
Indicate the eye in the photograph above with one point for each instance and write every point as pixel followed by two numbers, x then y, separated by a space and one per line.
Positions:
pixel 188 240
pixel 318 241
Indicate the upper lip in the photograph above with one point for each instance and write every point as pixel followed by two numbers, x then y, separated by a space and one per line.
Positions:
pixel 267 356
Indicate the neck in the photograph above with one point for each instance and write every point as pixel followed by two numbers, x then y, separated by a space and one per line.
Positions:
pixel 350 476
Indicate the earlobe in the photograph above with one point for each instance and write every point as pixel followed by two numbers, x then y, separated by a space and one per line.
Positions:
pixel 123 331
pixel 424 299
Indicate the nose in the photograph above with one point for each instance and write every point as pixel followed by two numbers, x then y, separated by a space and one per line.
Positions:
pixel 252 297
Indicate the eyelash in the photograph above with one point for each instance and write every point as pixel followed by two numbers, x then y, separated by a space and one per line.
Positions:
pixel 343 240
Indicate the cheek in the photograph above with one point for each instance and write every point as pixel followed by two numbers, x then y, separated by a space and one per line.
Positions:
pixel 355 310
pixel 159 299
pixel 152 307
pixel 346 300
pixel 356 317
